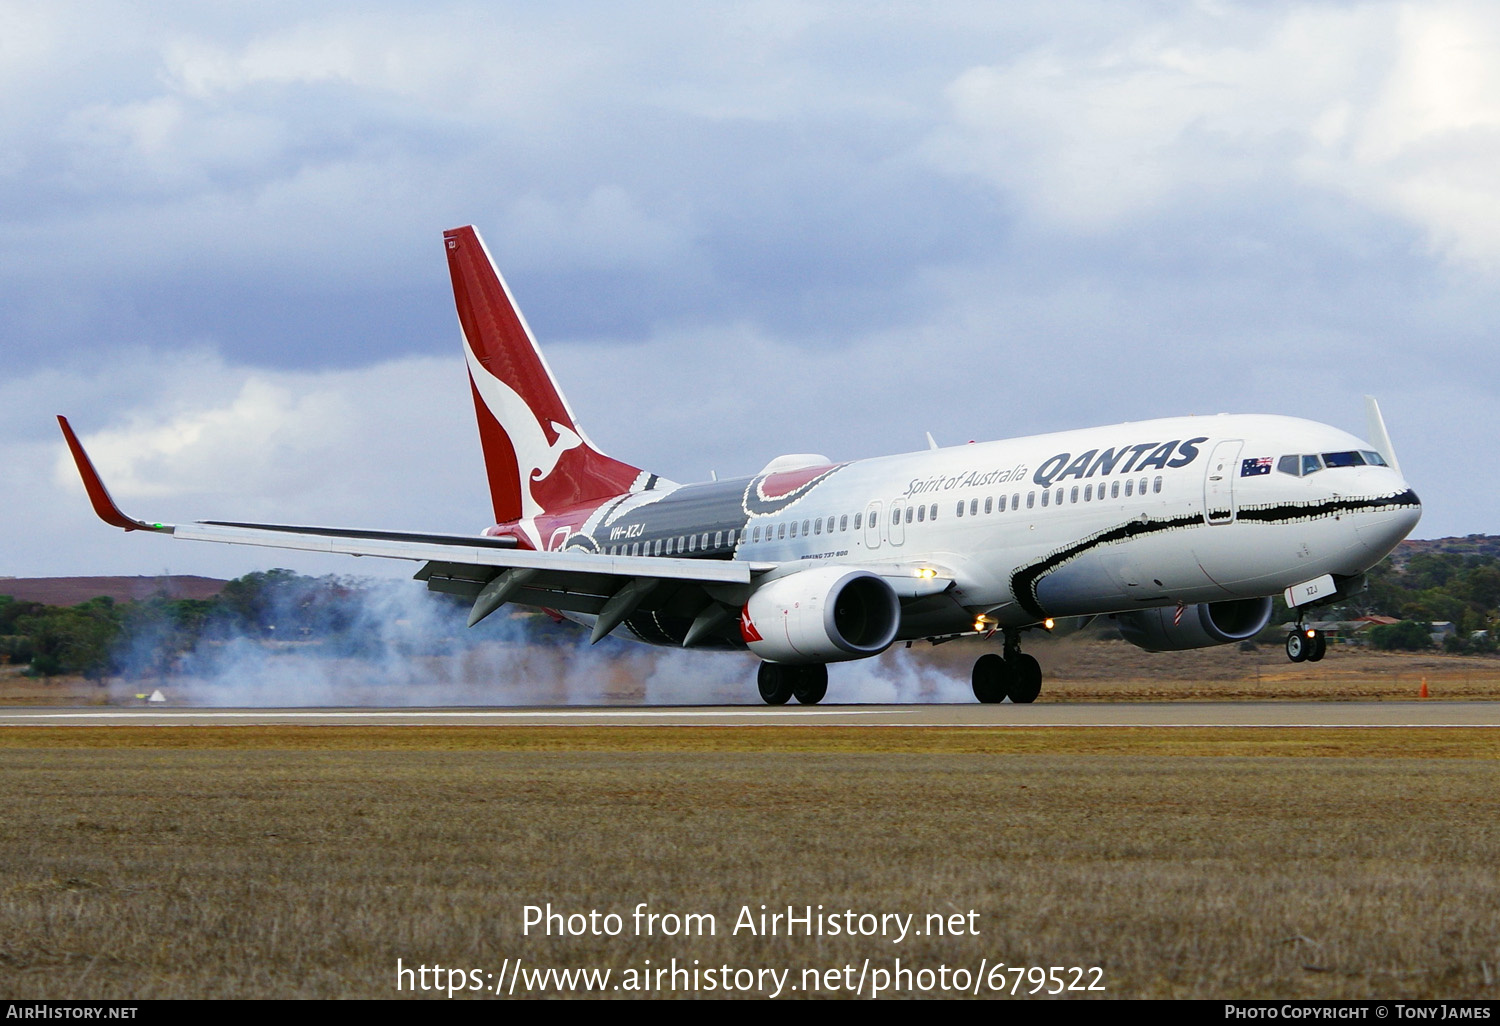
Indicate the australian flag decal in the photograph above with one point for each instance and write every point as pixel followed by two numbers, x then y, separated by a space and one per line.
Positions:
pixel 1255 467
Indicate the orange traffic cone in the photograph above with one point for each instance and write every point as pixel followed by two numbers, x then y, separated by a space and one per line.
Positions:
pixel 1423 692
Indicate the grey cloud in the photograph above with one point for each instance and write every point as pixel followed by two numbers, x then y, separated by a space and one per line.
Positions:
pixel 738 231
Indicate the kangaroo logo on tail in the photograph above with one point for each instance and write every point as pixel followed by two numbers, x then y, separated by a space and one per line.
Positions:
pixel 517 401
pixel 535 457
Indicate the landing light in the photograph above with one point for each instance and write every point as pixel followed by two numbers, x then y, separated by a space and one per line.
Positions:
pixel 1311 633
pixel 1049 623
pixel 927 573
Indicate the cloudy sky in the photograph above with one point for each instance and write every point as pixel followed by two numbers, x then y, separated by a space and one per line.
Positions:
pixel 738 230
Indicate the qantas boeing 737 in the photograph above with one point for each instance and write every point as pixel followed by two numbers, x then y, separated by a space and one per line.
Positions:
pixel 1181 530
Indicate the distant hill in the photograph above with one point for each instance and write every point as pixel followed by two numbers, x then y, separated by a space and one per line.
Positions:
pixel 1471 545
pixel 69 591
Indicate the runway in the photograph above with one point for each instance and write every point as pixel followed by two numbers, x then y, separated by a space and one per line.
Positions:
pixel 1420 713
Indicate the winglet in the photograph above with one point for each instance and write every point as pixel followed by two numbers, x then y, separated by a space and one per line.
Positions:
pixel 1378 435
pixel 98 494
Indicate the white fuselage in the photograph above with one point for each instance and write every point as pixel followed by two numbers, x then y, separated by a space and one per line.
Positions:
pixel 1181 510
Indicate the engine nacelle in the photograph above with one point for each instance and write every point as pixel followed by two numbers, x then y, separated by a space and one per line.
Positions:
pixel 1202 625
pixel 825 615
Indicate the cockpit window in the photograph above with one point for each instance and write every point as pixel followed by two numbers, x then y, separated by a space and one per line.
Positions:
pixel 1301 466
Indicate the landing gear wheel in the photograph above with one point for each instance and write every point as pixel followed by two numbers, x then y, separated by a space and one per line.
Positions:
pixel 810 684
pixel 1298 646
pixel 1025 679
pixel 989 678
pixel 775 683
pixel 1319 647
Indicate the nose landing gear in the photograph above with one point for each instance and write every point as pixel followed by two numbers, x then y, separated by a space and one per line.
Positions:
pixel 1306 644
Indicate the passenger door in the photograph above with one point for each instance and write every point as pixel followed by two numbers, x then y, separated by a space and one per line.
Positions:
pixel 1218 485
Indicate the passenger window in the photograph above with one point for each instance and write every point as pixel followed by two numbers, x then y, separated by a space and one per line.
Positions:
pixel 658 546
pixel 1143 486
pixel 1156 485
pixel 874 520
pixel 921 513
pixel 1031 499
pixel 909 512
pixel 960 507
pixel 1058 497
pixel 973 507
pixel 781 532
pixel 1073 495
pixel 818 526
pixel 755 534
pixel 932 512
pixel 704 542
pixel 1114 489
pixel 1001 506
pixel 804 528
pixel 844 522
pixel 989 504
pixel 669 545
pixel 635 549
pixel 1088 493
pixel 794 528
pixel 718 539
pixel 859 516
pixel 1046 497
pixel 1129 489
pixel 1015 501
pixel 692 542
pixel 743 532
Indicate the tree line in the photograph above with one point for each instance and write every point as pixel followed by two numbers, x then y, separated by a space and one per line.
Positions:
pixel 158 636
pixel 1462 588
pixel 151 637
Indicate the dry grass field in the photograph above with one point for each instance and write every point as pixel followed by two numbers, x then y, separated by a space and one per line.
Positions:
pixel 303 862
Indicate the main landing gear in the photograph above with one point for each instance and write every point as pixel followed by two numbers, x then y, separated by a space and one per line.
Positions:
pixel 1306 644
pixel 1014 675
pixel 779 682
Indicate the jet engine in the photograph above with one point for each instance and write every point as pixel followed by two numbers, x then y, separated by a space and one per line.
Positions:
pixel 1200 626
pixel 825 615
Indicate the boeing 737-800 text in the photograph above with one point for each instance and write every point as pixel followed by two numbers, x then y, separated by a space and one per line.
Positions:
pixel 1182 529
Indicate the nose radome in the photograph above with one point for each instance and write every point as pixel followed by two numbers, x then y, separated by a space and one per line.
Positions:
pixel 1382 530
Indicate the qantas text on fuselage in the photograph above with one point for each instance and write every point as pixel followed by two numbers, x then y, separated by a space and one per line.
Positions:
pixel 1181 530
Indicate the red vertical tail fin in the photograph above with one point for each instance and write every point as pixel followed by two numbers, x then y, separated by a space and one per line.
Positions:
pixel 537 457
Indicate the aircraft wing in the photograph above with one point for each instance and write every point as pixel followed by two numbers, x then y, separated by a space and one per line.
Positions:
pixel 491 571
